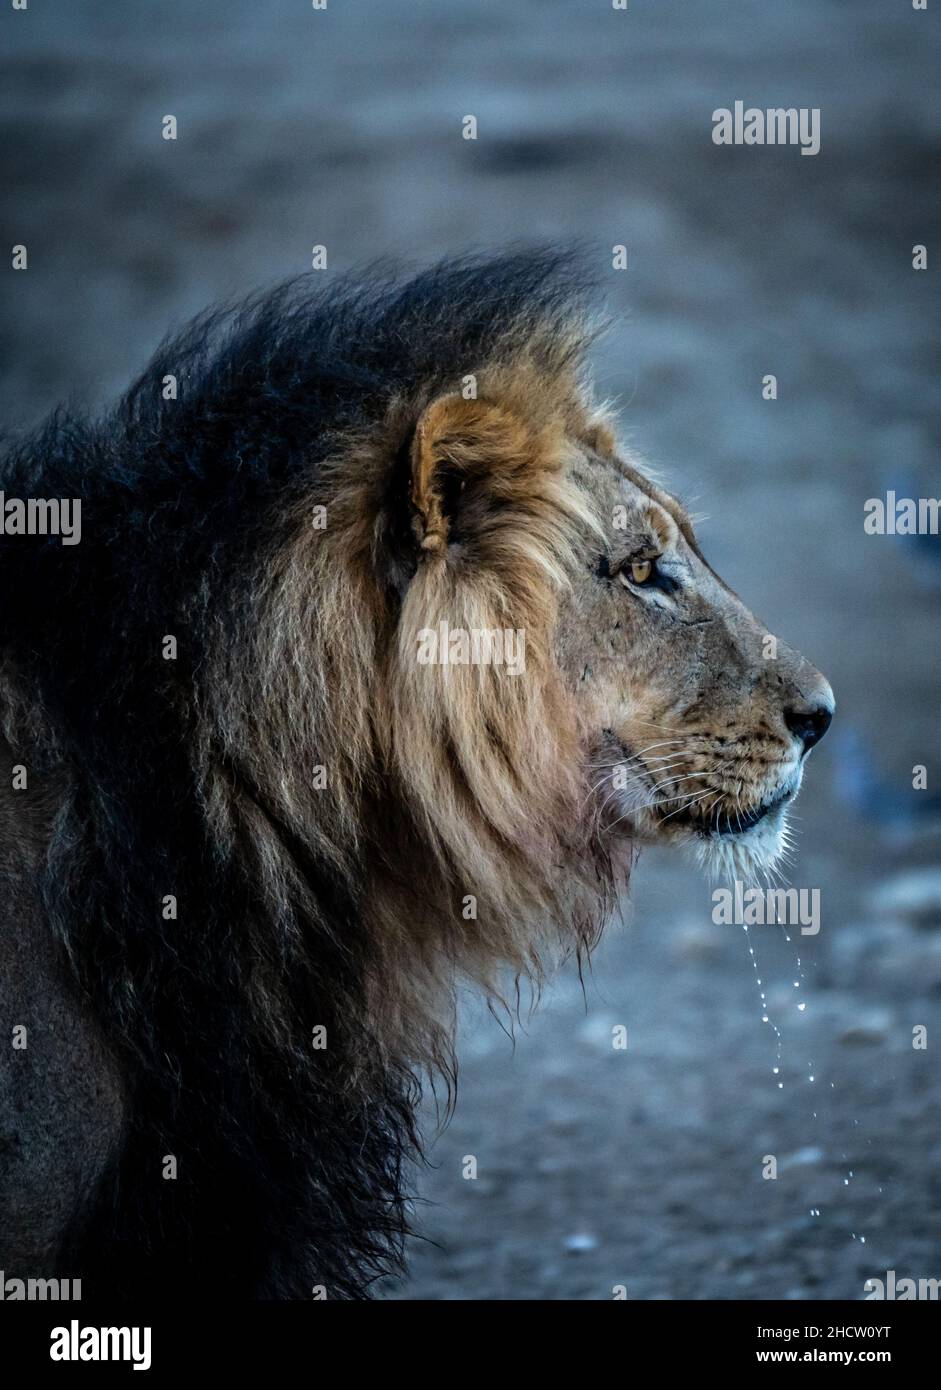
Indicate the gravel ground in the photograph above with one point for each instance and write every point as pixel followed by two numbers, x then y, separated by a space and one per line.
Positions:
pixel 600 1167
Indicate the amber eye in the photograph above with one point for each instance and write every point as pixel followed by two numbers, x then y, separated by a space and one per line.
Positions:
pixel 637 572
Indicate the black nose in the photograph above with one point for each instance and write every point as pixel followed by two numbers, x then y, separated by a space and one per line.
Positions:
pixel 809 725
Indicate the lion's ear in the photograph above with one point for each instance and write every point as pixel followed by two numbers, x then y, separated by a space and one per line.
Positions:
pixel 456 440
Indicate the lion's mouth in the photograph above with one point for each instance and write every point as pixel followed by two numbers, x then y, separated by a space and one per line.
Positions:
pixel 722 823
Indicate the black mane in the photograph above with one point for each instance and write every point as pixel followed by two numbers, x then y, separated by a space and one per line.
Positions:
pixel 177 490
pixel 286 1180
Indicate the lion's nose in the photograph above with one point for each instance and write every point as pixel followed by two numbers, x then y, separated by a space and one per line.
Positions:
pixel 809 725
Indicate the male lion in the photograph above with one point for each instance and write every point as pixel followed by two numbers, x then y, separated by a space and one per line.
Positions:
pixel 264 807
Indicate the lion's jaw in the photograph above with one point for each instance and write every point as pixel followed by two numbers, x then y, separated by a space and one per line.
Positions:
pixel 728 844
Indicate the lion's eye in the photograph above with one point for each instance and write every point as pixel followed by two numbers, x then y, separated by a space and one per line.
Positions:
pixel 638 572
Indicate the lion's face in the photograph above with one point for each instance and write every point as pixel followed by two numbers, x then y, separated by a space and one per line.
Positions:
pixel 690 722
pixel 698 721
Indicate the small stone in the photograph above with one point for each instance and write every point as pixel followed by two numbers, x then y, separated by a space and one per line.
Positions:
pixel 579 1243
pixel 697 945
pixel 915 894
pixel 868 1029
pixel 806 1157
pixel 862 1037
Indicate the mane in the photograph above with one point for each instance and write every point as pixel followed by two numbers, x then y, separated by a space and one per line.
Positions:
pixel 320 808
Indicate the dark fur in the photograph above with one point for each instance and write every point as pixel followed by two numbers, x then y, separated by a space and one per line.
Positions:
pixel 290 1172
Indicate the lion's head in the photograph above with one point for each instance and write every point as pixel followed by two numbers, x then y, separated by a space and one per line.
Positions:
pixel 693 720
pixel 507 653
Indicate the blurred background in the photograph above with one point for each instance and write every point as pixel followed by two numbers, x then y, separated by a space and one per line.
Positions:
pixel 342 127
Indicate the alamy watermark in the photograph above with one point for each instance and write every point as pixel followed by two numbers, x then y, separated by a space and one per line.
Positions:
pixel 477 646
pixel 901 516
pixel 901 1290
pixel 759 907
pixel 38 1290
pixel 773 125
pixel 42 516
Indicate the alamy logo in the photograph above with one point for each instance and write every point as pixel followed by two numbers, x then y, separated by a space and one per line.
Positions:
pixel 38 1290
pixel 901 516
pixel 478 646
pixel 42 516
pixel 759 907
pixel 775 125
pixel 75 1343
pixel 901 1290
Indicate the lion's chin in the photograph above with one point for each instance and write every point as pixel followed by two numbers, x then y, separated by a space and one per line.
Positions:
pixel 746 855
pixel 727 854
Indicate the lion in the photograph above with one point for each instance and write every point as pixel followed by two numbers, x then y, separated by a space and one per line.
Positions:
pixel 377 662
